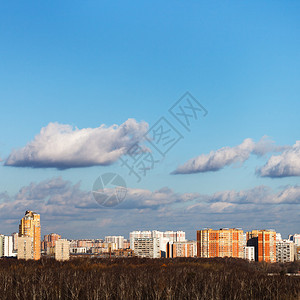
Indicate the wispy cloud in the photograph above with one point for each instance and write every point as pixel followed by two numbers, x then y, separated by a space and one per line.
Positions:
pixel 283 165
pixel 62 146
pixel 217 160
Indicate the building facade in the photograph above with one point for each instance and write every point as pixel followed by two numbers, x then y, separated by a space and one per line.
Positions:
pixel 249 253
pixel 48 243
pixel 182 249
pixel 295 238
pixel 147 247
pixel 161 238
pixel 30 227
pixel 6 246
pixel 118 240
pixel 25 247
pixel 62 250
pixel 264 242
pixel 220 243
pixel 15 241
pixel 285 251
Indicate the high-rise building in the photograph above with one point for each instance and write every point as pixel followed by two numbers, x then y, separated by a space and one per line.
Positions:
pixel 285 251
pixel 267 245
pixel 264 242
pixel 175 236
pixel 30 227
pixel 49 242
pixel 25 247
pixel 220 243
pixel 163 238
pixel 118 240
pixel 62 249
pixel 138 234
pixel 147 247
pixel 182 249
pixel 6 246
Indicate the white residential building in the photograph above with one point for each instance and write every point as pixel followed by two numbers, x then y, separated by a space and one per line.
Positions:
pixel 118 240
pixel 163 237
pixel 138 234
pixel 249 253
pixel 295 238
pixel 147 247
pixel 285 251
pixel 175 236
pixel 6 246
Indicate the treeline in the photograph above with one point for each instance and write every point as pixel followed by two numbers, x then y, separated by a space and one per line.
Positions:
pixel 137 278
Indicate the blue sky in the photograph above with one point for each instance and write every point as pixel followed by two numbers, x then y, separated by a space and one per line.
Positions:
pixel 90 63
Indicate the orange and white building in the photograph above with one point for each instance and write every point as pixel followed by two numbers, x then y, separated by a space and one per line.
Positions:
pixel 30 227
pixel 264 242
pixel 220 243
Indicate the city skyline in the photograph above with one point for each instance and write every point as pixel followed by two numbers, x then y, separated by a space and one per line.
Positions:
pixel 30 226
pixel 82 84
pixel 255 245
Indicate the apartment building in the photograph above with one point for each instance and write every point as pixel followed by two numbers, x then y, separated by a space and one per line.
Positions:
pixel 117 240
pixel 30 227
pixel 249 253
pixel 6 246
pixel 147 247
pixel 25 247
pixel 182 249
pixel 220 243
pixel 162 238
pixel 48 243
pixel 285 251
pixel 62 250
pixel 295 238
pixel 264 242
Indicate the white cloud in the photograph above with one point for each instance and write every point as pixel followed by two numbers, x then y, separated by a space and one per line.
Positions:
pixel 258 195
pixel 216 160
pixel 138 198
pixel 61 202
pixel 66 209
pixel 221 206
pixel 63 146
pixel 283 165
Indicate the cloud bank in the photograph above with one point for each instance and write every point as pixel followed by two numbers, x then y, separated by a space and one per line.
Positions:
pixel 62 146
pixel 217 160
pixel 283 165
pixel 67 209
